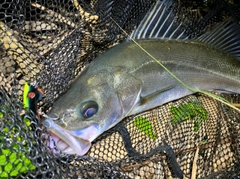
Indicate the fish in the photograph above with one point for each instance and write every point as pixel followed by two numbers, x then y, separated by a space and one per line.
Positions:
pixel 124 80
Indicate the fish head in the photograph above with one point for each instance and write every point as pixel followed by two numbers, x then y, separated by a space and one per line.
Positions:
pixel 91 106
pixel 96 108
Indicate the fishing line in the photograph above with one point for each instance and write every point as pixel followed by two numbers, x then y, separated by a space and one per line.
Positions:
pixel 214 96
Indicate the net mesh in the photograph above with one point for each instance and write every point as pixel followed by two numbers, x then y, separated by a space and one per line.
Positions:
pixel 52 42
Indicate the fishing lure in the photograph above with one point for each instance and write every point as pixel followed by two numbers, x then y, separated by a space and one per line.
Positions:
pixel 31 95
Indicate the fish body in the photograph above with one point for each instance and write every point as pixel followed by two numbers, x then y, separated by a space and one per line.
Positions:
pixel 125 81
pixel 128 70
pixel 127 74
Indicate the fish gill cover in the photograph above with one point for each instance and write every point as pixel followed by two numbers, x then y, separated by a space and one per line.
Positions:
pixel 52 42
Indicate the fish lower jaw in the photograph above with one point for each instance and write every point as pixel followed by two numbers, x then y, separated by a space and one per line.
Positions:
pixel 56 145
pixel 64 147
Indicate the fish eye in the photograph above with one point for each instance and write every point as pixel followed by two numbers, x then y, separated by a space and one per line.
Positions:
pixel 89 109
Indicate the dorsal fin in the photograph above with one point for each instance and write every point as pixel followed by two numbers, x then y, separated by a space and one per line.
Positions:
pixel 226 36
pixel 159 22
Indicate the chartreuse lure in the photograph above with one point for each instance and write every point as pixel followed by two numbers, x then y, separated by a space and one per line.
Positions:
pixel 26 90
pixel 191 110
pixel 145 126
pixel 31 95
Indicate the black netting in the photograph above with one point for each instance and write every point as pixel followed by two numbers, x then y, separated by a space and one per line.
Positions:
pixel 52 42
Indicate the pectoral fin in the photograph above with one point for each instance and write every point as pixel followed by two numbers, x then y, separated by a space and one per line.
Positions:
pixel 154 99
pixel 149 98
pixel 146 99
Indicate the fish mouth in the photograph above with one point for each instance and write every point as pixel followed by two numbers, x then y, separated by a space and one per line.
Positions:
pixel 57 145
pixel 68 142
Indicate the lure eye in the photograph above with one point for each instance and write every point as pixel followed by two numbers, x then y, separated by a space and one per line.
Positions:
pixel 89 109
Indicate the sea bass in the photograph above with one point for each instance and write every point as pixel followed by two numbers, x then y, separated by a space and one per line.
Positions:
pixel 124 80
